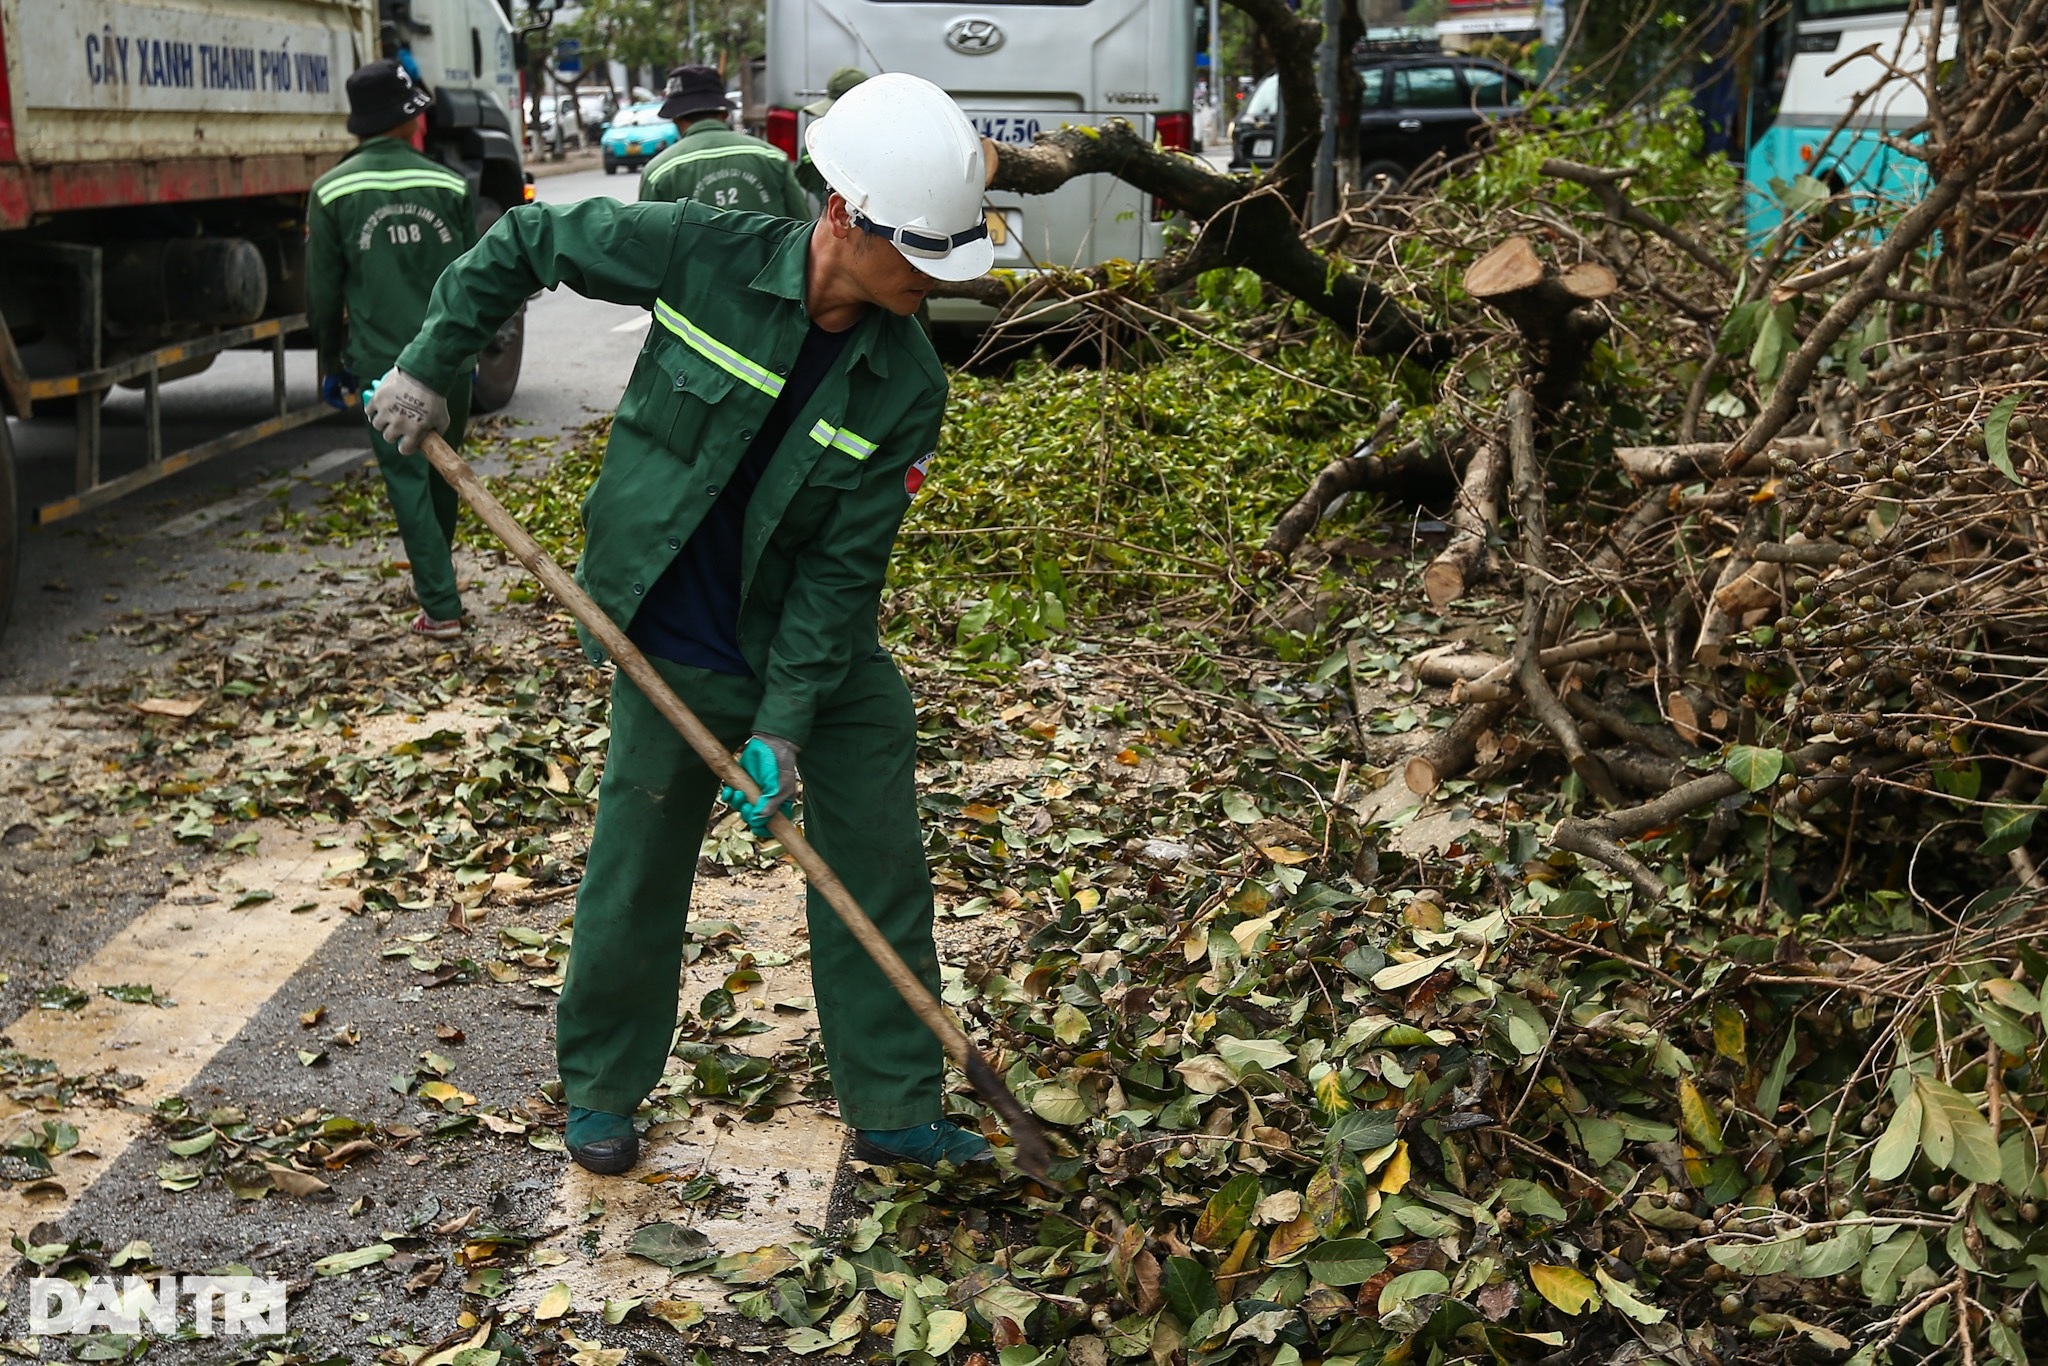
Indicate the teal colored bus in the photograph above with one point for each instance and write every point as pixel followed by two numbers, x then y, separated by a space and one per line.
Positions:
pixel 1854 78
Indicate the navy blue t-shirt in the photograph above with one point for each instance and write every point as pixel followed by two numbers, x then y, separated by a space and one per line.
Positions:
pixel 693 615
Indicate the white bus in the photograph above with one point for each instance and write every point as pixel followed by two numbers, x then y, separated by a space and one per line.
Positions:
pixel 1841 73
pixel 1017 69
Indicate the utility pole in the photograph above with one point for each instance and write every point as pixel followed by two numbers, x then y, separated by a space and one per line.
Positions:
pixel 1324 201
pixel 1219 103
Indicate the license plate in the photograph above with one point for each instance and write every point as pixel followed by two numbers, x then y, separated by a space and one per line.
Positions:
pixel 1006 233
pixel 1016 128
pixel 633 148
pixel 1262 147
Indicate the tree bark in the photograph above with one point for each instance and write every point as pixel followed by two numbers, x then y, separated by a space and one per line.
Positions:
pixel 1708 459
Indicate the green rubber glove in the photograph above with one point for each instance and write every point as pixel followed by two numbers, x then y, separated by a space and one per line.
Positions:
pixel 770 761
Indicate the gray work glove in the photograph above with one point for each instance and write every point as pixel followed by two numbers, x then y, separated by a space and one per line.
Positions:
pixel 403 410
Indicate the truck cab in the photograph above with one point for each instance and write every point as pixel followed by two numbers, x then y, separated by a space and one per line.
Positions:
pixel 465 52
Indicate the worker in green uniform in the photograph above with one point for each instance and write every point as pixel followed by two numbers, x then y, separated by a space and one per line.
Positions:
pixel 836 86
pixel 713 164
pixel 380 229
pixel 780 419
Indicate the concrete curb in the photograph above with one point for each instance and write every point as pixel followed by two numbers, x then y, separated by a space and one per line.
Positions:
pixel 587 159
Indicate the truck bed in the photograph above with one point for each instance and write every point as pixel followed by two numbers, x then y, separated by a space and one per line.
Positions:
pixel 112 102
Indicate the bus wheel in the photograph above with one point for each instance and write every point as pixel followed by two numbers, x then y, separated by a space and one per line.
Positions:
pixel 10 526
pixel 497 368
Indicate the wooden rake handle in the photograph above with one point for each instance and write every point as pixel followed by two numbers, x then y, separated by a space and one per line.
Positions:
pixel 1032 1153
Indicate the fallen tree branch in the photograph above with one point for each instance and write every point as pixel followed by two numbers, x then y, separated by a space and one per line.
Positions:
pixel 1449 751
pixel 1451 664
pixel 1582 837
pixel 1403 470
pixel 1708 459
pixel 1246 223
pixel 1531 514
pixel 1973 149
pixel 1605 183
pixel 1659 739
pixel 1473 525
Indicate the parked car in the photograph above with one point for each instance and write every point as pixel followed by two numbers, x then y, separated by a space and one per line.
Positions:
pixel 593 112
pixel 1415 107
pixel 636 134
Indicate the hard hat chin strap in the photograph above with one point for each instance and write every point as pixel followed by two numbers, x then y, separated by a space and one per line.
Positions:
pixel 929 245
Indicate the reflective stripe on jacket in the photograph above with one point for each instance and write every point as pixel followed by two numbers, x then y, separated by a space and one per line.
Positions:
pixel 380 229
pixel 714 165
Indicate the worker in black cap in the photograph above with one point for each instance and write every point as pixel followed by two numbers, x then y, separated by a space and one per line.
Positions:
pixel 380 228
pixel 711 163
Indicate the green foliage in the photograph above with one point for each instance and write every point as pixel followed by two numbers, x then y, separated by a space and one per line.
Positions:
pixel 1061 495
pixel 656 33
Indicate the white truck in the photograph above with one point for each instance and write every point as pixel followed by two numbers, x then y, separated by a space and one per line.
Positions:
pixel 154 162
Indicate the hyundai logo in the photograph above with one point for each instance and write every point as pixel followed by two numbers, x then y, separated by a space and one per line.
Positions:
pixel 973 37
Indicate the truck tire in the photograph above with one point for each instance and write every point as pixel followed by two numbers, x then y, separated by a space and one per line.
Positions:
pixel 497 366
pixel 10 526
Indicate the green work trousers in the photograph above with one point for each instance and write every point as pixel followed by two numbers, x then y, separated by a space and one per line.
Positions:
pixel 425 505
pixel 618 1007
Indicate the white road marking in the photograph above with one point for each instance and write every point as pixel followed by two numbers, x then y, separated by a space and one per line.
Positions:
pixel 213 513
pixel 639 324
pixel 219 965
pixel 776 1177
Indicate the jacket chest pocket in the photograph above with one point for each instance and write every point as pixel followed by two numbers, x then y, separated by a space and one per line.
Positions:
pixel 681 391
pixel 839 468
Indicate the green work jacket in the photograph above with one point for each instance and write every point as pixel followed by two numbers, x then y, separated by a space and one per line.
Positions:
pixel 714 165
pixel 727 293
pixel 380 229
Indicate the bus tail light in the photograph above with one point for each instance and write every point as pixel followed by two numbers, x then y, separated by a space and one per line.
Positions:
pixel 1176 133
pixel 781 131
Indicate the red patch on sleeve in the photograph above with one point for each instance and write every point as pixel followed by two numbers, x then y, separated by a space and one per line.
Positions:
pixel 913 478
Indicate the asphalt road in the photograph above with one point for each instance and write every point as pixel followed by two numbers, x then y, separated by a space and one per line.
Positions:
pixel 78 575
pixel 91 895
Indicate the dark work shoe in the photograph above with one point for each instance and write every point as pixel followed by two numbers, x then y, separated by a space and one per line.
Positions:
pixel 927 1145
pixel 602 1143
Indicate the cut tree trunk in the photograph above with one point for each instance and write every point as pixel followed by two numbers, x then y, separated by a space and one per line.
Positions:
pixel 1449 751
pixel 1552 309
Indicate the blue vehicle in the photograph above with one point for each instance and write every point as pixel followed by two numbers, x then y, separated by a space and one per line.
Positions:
pixel 635 135
pixel 1841 54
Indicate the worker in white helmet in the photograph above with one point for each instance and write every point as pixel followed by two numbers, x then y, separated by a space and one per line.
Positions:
pixel 781 417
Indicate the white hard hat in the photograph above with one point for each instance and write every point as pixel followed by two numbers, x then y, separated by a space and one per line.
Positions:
pixel 910 168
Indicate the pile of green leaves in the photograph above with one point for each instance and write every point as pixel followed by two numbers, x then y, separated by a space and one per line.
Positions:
pixel 1467 1112
pixel 1061 494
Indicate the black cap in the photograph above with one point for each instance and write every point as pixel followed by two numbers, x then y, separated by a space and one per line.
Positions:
pixel 382 95
pixel 694 90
